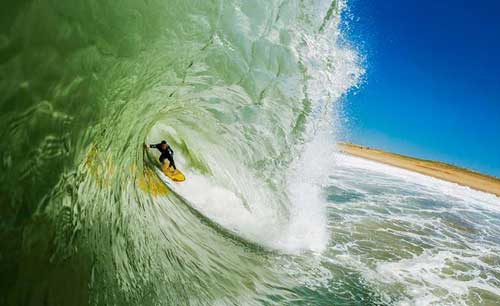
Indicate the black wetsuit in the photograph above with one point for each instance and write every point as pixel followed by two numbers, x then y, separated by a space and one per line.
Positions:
pixel 167 154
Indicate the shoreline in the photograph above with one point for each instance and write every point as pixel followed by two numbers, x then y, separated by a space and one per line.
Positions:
pixel 439 170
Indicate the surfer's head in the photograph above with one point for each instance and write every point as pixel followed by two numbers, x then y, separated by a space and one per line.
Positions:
pixel 163 144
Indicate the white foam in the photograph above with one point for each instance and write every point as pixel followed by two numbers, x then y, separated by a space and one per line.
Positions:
pixel 442 242
pixel 306 178
pixel 226 208
pixel 435 185
pixel 424 274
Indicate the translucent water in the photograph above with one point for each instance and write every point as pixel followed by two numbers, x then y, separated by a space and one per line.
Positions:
pixel 246 92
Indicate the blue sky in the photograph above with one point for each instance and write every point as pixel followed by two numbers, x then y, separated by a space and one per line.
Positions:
pixel 432 87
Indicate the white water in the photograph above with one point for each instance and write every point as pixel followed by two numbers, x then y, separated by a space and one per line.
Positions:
pixel 431 242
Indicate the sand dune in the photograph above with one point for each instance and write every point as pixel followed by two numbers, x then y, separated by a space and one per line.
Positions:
pixel 435 169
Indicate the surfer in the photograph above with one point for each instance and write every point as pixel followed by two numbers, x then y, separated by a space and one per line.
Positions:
pixel 166 153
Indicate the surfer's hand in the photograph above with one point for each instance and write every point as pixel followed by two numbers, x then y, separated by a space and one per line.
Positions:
pixel 145 146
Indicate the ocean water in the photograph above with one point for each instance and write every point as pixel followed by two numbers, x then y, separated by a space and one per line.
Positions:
pixel 248 93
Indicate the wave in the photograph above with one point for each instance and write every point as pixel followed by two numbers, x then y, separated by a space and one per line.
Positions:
pixel 245 93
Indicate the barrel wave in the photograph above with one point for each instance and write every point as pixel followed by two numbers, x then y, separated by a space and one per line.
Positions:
pixel 247 94
pixel 237 88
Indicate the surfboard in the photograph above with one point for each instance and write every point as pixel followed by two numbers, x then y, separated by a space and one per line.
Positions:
pixel 174 175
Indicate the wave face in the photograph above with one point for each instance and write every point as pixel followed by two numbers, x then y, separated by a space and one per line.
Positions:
pixel 246 93
pixel 243 90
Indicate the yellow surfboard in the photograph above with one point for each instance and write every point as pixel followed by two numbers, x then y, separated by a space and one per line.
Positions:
pixel 174 175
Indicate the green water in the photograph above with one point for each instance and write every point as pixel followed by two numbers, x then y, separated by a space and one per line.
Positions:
pixel 247 94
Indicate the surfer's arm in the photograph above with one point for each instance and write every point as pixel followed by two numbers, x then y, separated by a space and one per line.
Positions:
pixel 153 146
pixel 170 150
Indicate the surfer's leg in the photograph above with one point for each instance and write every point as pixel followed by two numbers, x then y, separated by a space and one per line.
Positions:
pixel 172 163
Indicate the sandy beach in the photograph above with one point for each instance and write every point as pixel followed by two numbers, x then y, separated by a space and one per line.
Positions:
pixel 435 169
